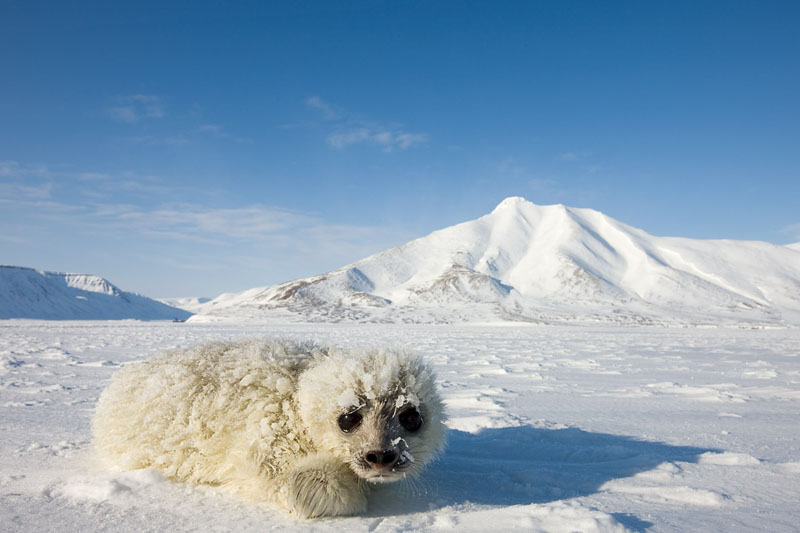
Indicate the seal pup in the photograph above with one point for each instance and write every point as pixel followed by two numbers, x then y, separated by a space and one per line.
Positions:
pixel 303 426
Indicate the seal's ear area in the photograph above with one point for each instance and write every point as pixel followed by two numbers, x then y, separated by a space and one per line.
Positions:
pixel 324 392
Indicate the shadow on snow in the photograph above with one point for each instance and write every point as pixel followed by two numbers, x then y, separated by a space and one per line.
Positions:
pixel 526 465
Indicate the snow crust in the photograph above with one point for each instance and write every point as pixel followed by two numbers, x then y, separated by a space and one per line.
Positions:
pixel 531 263
pixel 552 428
pixel 29 293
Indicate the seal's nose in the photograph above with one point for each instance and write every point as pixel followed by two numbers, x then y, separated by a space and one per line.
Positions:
pixel 381 458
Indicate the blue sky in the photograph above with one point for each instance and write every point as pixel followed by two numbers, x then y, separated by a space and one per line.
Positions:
pixel 194 148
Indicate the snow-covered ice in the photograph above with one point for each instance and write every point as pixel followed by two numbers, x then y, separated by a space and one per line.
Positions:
pixel 553 428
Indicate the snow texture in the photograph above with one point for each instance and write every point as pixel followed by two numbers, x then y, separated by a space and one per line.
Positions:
pixel 29 293
pixel 552 428
pixel 543 264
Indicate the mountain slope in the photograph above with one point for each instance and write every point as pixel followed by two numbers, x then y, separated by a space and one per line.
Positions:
pixel 543 263
pixel 29 293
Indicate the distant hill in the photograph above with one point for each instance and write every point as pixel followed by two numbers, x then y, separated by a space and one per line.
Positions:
pixel 189 303
pixel 525 262
pixel 29 293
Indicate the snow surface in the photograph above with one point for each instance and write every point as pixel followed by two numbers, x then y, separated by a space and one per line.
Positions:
pixel 525 262
pixel 553 428
pixel 29 293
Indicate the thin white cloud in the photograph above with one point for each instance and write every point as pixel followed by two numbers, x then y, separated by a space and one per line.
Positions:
pixel 539 189
pixel 261 231
pixel 134 108
pixel 387 140
pixel 511 167
pixel 13 190
pixel 124 114
pixel 192 221
pixel 215 130
pixel 177 140
pixel 174 140
pixel 212 129
pixel 547 188
pixel 573 156
pixel 137 214
pixel 13 169
pixel 93 176
pixel 349 130
pixel 793 231
pixel 328 112
pixel 346 138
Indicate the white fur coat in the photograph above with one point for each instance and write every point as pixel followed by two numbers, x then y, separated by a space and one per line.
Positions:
pixel 260 417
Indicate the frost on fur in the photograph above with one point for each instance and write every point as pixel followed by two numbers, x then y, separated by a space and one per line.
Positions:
pixel 302 426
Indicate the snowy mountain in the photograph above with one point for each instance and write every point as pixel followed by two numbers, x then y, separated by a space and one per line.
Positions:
pixel 525 262
pixel 29 293
pixel 187 303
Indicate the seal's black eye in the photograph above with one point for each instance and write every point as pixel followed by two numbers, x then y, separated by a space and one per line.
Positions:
pixel 411 419
pixel 349 422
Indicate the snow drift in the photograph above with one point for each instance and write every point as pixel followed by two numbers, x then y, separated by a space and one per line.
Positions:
pixel 525 262
pixel 29 293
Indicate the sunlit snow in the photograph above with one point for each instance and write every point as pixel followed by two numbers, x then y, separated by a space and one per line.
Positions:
pixel 543 264
pixel 553 428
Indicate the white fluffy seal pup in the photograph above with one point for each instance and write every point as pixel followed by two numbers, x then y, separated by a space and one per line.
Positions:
pixel 303 426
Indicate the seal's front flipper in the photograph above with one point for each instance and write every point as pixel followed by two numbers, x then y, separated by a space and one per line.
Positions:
pixel 320 486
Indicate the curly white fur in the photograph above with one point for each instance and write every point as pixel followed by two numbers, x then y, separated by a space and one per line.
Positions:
pixel 261 418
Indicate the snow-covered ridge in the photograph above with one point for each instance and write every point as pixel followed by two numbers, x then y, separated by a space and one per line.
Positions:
pixel 188 303
pixel 29 293
pixel 526 262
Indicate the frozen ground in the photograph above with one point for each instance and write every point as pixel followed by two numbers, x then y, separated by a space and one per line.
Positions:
pixel 558 428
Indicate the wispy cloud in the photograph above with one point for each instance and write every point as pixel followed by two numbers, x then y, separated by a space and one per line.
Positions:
pixel 136 216
pixel 532 184
pixel 13 191
pixel 203 223
pixel 13 169
pixel 348 129
pixel 260 231
pixel 388 140
pixel 328 112
pixel 93 176
pixel 571 156
pixel 215 130
pixel 792 231
pixel 212 129
pixel 134 108
pixel 547 188
pixel 264 227
pixel 34 186
pixel 24 182
pixel 170 140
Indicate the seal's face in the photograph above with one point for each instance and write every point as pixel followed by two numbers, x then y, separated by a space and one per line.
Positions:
pixel 376 410
pixel 382 439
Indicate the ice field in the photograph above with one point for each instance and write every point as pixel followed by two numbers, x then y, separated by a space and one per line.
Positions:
pixel 553 428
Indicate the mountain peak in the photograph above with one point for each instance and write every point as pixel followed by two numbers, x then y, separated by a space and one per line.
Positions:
pixel 511 202
pixel 516 203
pixel 539 263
